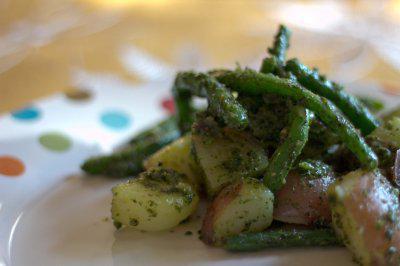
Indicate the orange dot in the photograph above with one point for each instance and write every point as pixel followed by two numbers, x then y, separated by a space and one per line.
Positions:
pixel 11 166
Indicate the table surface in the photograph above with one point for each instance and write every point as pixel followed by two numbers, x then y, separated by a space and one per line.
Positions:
pixel 46 46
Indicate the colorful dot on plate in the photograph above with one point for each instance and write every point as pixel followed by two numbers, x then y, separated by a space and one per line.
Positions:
pixel 115 120
pixel 77 94
pixel 54 141
pixel 29 113
pixel 168 105
pixel 11 166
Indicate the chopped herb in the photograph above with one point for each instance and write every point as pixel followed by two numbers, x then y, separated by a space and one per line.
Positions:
pixel 117 224
pixel 133 222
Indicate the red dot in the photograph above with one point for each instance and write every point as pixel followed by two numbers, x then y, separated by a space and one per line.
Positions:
pixel 168 105
pixel 11 166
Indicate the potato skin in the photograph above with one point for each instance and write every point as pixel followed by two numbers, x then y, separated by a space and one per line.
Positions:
pixel 156 200
pixel 224 198
pixel 303 201
pixel 365 214
pixel 244 206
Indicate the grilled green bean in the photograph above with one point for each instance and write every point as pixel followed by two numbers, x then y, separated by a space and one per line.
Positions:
pixel 269 65
pixel 221 102
pixel 275 63
pixel 280 238
pixel 184 108
pixel 164 128
pixel 281 44
pixel 253 83
pixel 129 161
pixel 285 155
pixel 355 111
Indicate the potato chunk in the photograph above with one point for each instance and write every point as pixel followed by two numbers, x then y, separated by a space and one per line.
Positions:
pixel 389 133
pixel 177 156
pixel 226 155
pixel 156 200
pixel 244 206
pixel 303 201
pixel 365 214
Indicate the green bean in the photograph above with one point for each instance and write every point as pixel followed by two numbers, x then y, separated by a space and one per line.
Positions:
pixel 184 108
pixel 313 169
pixel 253 83
pixel 269 65
pixel 279 238
pixel 355 111
pixel 164 128
pixel 275 63
pixel 221 103
pixel 285 155
pixel 281 44
pixel 129 161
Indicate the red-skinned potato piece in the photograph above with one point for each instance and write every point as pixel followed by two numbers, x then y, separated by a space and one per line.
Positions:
pixel 303 201
pixel 396 170
pixel 365 213
pixel 244 206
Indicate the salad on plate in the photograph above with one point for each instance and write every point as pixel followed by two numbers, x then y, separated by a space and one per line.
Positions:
pixel 282 156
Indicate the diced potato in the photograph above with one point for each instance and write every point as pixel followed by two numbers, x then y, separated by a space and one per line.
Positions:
pixel 393 113
pixel 389 133
pixel 226 155
pixel 157 200
pixel 365 214
pixel 303 200
pixel 177 156
pixel 244 206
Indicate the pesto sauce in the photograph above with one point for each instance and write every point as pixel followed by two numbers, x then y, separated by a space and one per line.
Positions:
pixel 167 181
pixel 314 169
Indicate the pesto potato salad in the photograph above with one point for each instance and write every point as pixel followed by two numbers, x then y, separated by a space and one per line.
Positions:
pixel 282 156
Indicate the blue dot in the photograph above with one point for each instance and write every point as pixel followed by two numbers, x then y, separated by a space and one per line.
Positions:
pixel 115 120
pixel 29 113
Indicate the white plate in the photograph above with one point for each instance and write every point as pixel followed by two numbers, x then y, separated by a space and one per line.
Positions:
pixel 53 215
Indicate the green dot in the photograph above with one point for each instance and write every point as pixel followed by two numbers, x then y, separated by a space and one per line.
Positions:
pixel 55 141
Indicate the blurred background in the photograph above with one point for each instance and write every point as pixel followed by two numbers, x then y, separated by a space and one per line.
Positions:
pixel 47 46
